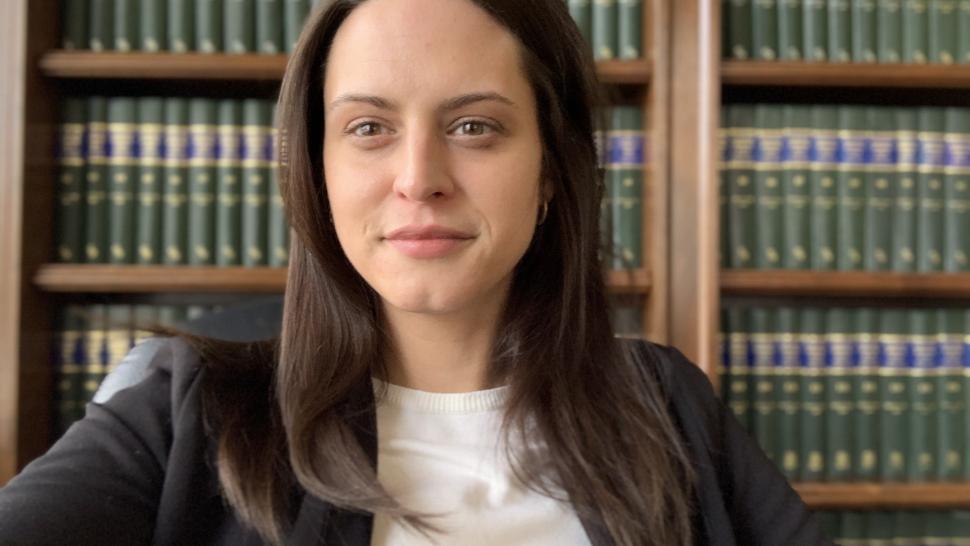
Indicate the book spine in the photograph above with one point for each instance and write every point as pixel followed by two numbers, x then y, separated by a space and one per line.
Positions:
pixel 582 14
pixel 144 317
pixel 625 175
pixel 118 334
pixel 943 21
pixel 294 15
pixel 923 415
pixel 724 148
pixel 811 422
pixel 122 178
pixel 228 191
pixel 963 32
pixel 915 25
pixel 208 25
pixel 70 181
pixel 863 361
pixel 126 22
pixel 96 346
pixel 741 200
pixel 604 35
pixel 786 390
pixel 738 396
pixel 96 178
pixel 629 25
pixel 764 403
pixel 822 177
pixel 864 22
pixel 850 183
pixel 152 26
pixel 903 215
pixel 269 26
pixel 815 31
pixel 839 405
pixel 929 188
pixel 100 25
pixel 956 191
pixel 950 443
pixel 880 182
pixel 889 34
pixel 964 352
pixel 279 229
pixel 202 184
pixel 764 29
pixel 180 27
pixel 175 219
pixel 74 22
pixel 790 30
pixel 69 367
pixel 148 209
pixel 769 221
pixel 739 29
pixel 255 182
pixel 893 396
pixel 238 26
pixel 839 31
pixel 795 186
pixel 627 316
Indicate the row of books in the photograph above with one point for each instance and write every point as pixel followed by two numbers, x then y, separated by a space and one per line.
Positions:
pixel 897 527
pixel 179 26
pixel 860 31
pixel 845 187
pixel 171 181
pixel 852 394
pixel 613 28
pixel 623 154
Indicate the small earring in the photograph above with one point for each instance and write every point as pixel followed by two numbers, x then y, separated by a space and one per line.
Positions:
pixel 545 213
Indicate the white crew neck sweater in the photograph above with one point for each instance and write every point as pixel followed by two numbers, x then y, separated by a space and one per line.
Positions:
pixel 441 453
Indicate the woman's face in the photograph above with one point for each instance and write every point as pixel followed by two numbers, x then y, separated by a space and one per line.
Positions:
pixel 432 153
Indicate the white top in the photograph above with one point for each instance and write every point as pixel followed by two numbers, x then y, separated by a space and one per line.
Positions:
pixel 441 453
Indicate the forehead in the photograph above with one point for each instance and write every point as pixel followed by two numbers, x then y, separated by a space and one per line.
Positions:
pixel 415 49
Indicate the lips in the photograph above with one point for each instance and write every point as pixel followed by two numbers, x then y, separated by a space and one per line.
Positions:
pixel 428 241
pixel 427 232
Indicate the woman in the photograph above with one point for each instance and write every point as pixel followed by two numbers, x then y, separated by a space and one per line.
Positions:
pixel 445 321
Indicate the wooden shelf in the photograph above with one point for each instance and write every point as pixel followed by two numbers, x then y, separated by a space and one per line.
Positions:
pixel 61 64
pixel 121 279
pixel 822 496
pixel 788 74
pixel 844 284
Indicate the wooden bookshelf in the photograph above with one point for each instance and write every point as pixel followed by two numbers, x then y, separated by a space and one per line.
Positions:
pixel 825 496
pixel 850 284
pixel 856 75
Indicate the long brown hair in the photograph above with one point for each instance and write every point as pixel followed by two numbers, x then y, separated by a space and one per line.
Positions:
pixel 610 446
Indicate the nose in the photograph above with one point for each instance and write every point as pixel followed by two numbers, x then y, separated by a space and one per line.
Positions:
pixel 423 174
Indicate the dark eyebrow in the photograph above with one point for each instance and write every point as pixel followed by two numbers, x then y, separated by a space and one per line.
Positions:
pixel 447 106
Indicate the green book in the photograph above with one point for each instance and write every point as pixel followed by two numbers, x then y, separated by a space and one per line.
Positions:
pixel 627 316
pixel 951 444
pixel 228 186
pixel 202 181
pixel 787 391
pixel 604 31
pixel 764 29
pixel 69 367
pixel 915 26
pixel 97 355
pixel 956 190
pixel 118 333
pixel 208 25
pixel 790 40
pixel 122 179
pixel 929 189
pixel 239 26
pixel 180 25
pixel 737 330
pixel 96 183
pixel 739 29
pixel 69 214
pixel 151 26
pixel 294 14
pixel 811 420
pixel 582 13
pixel 764 403
pixel 143 318
pixel 839 24
pixel 769 198
pixel 889 31
pixel 922 373
pixel 903 215
pixel 797 122
pixel 625 184
pixel 880 182
pixel 269 26
pixel 151 176
pixel 864 23
pixel 175 192
pixel 74 24
pixel 853 528
pixel 965 354
pixel 256 167
pixel 100 24
pixel 279 228
pixel 963 32
pixel 894 396
pixel 861 325
pixel 943 21
pixel 629 32
pixel 850 187
pixel 741 191
pixel 724 143
pixel 126 22
pixel 839 402
pixel 822 177
pixel 815 31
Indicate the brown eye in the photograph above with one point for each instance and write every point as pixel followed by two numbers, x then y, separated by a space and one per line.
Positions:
pixel 368 128
pixel 473 128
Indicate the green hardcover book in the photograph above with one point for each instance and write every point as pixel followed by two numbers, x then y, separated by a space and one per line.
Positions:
pixel 950 442
pixel 924 416
pixel 228 186
pixel 764 29
pixel 625 185
pixel 893 396
pixel 74 24
pixel 122 179
pixel 769 197
pixel 861 326
pixel 963 32
pixel 256 167
pixel 604 31
pixel 839 24
pixel 629 28
pixel 850 187
pixel 69 214
pixel 725 29
pixel 119 334
pixel 787 391
pixel 175 191
pixel 822 177
pixel 737 333
pixel 294 14
pixel 269 26
pixel 790 29
pixel 180 25
pixel 880 182
pixel 864 23
pixel 964 338
pixel 811 423
pixel 797 193
pixel 626 315
pixel 853 528
pixel 208 26
pixel 915 21
pixel 724 147
pixel 202 181
pixel 144 318
pixel 943 22
pixel 96 183
pixel 741 191
pixel 279 228
pixel 956 191
pixel 889 31
pixel 905 203
pixel 815 31
pixel 929 189
pixel 239 26
pixel 97 353
pixel 151 176
pixel 881 528
pixel 152 33
pixel 764 403
pixel 909 528
pixel 125 22
pixel 69 367
pixel 739 29
pixel 582 14
pixel 839 403
pixel 100 24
